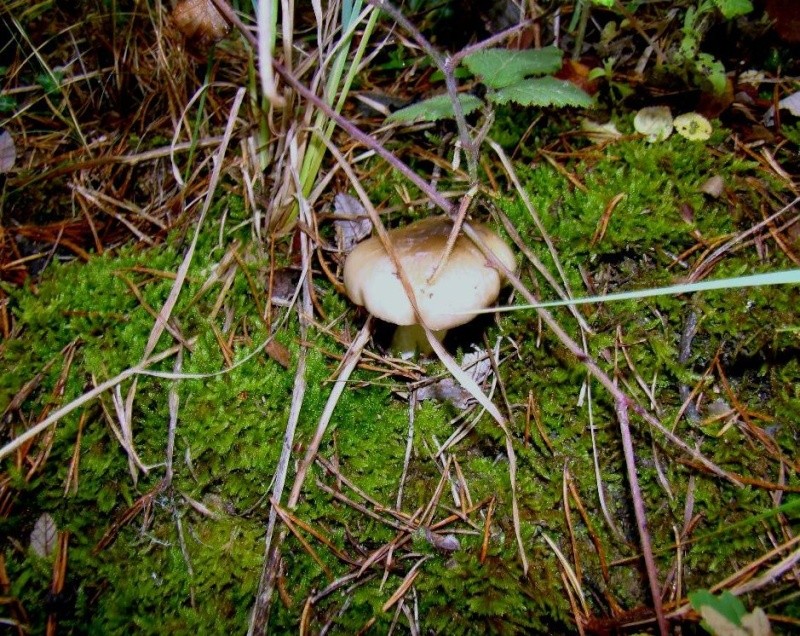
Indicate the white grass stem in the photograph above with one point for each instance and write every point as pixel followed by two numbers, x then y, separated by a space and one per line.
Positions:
pixel 787 277
pixel 101 388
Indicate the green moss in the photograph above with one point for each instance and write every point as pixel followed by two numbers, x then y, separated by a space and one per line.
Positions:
pixel 230 428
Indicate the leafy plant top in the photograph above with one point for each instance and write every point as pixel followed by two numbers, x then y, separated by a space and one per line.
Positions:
pixel 507 75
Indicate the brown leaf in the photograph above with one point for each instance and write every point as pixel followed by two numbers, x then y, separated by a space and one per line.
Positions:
pixel 8 152
pixel 578 73
pixel 443 542
pixel 43 535
pixel 279 353
pixel 200 20
pixel 713 187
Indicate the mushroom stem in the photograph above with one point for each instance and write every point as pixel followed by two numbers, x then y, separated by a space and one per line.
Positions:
pixel 410 340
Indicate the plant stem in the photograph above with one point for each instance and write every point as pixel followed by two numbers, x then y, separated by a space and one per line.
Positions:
pixel 641 517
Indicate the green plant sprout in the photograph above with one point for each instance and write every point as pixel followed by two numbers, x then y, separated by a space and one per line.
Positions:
pixel 704 68
pixel 337 88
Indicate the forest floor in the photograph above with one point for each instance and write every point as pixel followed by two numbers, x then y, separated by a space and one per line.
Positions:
pixel 202 434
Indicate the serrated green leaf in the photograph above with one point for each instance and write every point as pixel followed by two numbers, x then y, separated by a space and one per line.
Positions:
pixel 499 68
pixel 711 69
pixel 435 108
pixel 734 8
pixel 543 91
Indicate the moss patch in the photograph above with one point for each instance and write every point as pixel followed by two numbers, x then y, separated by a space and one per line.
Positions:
pixel 189 557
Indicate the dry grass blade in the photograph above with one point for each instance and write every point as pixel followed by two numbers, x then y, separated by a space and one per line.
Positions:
pixel 124 413
pixel 144 503
pixel 71 480
pixel 412 405
pixel 487 529
pixel 173 403
pixel 703 268
pixel 596 462
pixel 598 546
pixel 59 578
pixel 348 365
pixel 565 478
pixel 272 552
pixel 173 331
pixel 570 573
pixel 339 496
pixel 317 534
pixel 564 293
pixel 430 508
pixel 101 388
pixel 775 573
pixel 288 521
pixel 266 13
pixel 38 461
pixel 31 385
pixel 408 581
pixel 172 299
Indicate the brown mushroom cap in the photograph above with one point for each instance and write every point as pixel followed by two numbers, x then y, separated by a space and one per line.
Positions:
pixel 467 282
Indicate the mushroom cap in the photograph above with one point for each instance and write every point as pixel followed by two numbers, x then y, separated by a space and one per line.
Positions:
pixel 467 283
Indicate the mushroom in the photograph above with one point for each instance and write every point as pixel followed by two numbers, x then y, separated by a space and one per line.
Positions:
pixel 465 284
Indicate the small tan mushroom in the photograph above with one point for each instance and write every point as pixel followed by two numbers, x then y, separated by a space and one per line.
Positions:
pixel 466 284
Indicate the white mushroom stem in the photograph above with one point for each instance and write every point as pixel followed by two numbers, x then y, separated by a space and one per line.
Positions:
pixel 410 340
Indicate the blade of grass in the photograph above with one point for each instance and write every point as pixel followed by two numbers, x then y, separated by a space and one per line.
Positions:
pixel 787 277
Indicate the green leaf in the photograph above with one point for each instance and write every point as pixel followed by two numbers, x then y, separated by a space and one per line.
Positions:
pixel 435 108
pixel 722 613
pixel 543 91
pixel 50 82
pixel 733 8
pixel 709 68
pixel 7 104
pixel 498 68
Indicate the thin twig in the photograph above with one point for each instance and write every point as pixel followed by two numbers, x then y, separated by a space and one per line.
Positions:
pixel 412 405
pixel 641 517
